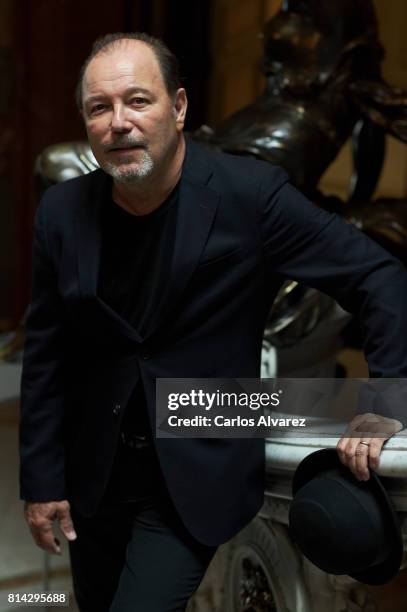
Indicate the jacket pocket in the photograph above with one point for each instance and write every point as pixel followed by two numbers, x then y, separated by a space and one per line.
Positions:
pixel 231 256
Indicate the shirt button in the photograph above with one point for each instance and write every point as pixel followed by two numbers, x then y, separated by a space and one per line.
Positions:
pixel 116 409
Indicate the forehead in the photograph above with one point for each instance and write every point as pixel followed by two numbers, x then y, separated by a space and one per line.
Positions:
pixel 130 63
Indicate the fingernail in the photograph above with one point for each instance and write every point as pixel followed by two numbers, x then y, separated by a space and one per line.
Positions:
pixel 71 535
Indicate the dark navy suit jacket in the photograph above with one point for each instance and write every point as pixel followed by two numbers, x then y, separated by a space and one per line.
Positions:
pixel 241 230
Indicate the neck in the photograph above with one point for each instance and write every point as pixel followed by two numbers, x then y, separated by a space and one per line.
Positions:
pixel 143 198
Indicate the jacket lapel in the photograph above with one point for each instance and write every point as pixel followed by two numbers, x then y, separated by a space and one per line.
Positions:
pixel 196 211
pixel 88 229
pixel 197 205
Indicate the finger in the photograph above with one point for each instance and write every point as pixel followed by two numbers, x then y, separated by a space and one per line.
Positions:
pixel 361 463
pixel 344 449
pixel 341 448
pixel 350 451
pixel 352 466
pixel 375 448
pixel 351 459
pixel 45 538
pixel 358 465
pixel 66 524
pixel 346 443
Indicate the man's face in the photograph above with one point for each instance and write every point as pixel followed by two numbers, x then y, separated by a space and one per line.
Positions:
pixel 133 124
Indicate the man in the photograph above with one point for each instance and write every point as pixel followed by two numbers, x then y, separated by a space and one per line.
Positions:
pixel 165 263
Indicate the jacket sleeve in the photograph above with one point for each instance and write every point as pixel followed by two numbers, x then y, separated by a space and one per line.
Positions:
pixel 42 384
pixel 305 243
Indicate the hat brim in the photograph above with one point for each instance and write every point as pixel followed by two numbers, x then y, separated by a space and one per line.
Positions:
pixel 328 459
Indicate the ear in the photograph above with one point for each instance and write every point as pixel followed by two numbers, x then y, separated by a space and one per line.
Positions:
pixel 180 108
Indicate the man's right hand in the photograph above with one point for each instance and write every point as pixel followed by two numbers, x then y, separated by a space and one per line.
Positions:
pixel 40 517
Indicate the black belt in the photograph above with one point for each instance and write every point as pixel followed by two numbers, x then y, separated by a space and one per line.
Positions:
pixel 135 441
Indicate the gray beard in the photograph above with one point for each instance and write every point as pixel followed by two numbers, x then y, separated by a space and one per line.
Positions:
pixel 135 173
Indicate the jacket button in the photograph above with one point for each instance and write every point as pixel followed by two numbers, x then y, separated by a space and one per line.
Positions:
pixel 116 409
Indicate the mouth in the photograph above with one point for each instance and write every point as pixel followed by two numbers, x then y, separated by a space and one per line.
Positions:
pixel 124 149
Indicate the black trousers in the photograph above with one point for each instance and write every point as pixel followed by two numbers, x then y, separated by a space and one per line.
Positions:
pixel 135 555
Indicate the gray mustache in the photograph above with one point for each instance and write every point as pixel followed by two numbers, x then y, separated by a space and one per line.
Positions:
pixel 123 143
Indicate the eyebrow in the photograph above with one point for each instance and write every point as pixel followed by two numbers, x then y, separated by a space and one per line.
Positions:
pixel 127 92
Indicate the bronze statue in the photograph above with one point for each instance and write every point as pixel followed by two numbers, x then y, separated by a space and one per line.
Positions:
pixel 314 51
pixel 324 84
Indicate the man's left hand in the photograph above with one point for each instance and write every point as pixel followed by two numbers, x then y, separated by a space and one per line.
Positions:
pixel 360 446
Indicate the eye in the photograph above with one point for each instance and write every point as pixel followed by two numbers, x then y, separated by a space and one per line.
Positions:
pixel 139 100
pixel 97 108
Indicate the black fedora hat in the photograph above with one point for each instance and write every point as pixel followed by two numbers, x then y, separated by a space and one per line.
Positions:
pixel 343 525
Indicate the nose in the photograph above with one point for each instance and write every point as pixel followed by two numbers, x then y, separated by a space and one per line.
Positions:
pixel 120 121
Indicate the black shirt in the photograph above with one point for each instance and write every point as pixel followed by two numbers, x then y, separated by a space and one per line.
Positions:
pixel 135 259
